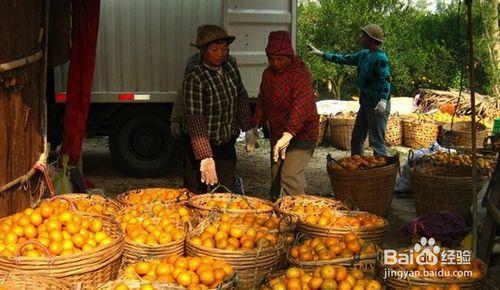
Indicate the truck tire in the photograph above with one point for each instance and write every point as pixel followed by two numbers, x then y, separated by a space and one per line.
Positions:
pixel 140 141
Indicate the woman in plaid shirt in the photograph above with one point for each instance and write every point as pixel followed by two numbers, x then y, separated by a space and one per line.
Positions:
pixel 286 101
pixel 216 107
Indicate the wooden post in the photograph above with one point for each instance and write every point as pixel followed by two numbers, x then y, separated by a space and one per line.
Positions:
pixel 22 102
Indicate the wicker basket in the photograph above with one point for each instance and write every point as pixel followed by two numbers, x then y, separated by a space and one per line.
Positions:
pixel 339 132
pixel 136 284
pixel 251 266
pixel 394 132
pixel 322 126
pixel 419 134
pixel 459 135
pixel 21 280
pixel 93 199
pixel 370 189
pixel 134 252
pixel 177 195
pixel 365 263
pixel 89 268
pixel 393 283
pixel 284 205
pixel 436 192
pixel 199 204
pixel 370 235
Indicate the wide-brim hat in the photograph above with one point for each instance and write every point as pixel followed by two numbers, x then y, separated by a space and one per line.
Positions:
pixel 209 33
pixel 374 31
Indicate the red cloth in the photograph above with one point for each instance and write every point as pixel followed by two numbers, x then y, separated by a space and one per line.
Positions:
pixel 80 75
pixel 287 101
pixel 279 43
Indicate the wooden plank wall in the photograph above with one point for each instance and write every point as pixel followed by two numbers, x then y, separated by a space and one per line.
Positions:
pixel 21 105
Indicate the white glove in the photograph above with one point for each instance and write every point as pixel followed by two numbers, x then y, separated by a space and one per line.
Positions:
pixel 175 129
pixel 208 172
pixel 381 107
pixel 314 50
pixel 251 140
pixel 281 145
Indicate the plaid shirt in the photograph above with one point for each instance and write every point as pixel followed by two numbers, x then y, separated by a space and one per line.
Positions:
pixel 216 107
pixel 287 101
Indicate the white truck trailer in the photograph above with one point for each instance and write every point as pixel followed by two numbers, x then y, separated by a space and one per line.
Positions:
pixel 142 50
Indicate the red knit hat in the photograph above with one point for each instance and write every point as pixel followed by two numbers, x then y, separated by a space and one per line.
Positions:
pixel 279 43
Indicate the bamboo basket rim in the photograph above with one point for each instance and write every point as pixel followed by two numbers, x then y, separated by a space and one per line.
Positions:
pixel 195 201
pixel 105 254
pixel 442 178
pixel 392 161
pixel 98 197
pixel 124 196
pixel 305 197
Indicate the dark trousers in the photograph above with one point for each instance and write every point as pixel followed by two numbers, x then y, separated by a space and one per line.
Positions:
pixel 225 164
pixel 369 122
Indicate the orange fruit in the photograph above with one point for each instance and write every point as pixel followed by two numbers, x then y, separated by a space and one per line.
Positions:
pixel 53 225
pixel 46 210
pixel 72 227
pixel 349 237
pixel 341 274
pixel 142 268
pixel 353 246
pixel 294 284
pixel 292 272
pixel 146 286
pixel 207 277
pixel 10 238
pixel 184 278
pixel 236 232
pixel 373 285
pixel 182 263
pixel 329 284
pixel 56 236
pixel 78 240
pixel 315 283
pixel 328 272
pixel 121 286
pixel 95 226
pixel 36 218
pixel 55 247
pixel 65 217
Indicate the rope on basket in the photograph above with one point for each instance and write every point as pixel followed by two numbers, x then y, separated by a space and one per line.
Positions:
pixel 38 166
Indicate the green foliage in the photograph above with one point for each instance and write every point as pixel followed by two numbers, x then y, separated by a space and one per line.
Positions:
pixel 425 49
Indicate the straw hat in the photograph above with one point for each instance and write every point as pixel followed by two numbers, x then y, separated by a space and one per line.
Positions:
pixel 374 31
pixel 209 33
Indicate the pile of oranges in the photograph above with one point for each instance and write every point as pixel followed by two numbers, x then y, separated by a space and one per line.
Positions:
pixel 156 225
pixel 125 286
pixel 336 219
pixel 60 232
pixel 357 162
pixel 331 248
pixel 190 272
pixel 326 277
pixel 94 205
pixel 151 195
pixel 239 233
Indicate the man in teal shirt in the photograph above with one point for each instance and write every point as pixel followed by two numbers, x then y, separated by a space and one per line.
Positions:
pixel 373 78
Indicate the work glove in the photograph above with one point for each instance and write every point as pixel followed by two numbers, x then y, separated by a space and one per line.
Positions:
pixel 175 129
pixel 314 50
pixel 279 149
pixel 381 107
pixel 251 140
pixel 208 172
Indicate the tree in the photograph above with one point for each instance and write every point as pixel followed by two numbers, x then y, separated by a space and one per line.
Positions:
pixel 489 13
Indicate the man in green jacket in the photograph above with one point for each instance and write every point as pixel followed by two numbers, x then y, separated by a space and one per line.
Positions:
pixel 373 78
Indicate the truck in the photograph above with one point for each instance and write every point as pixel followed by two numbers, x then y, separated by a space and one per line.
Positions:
pixel 142 50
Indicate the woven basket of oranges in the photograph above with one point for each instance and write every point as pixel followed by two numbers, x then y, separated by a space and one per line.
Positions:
pixel 235 204
pixel 88 202
pixel 19 280
pixel 296 206
pixel 348 251
pixel 321 277
pixel 77 247
pixel 444 274
pixel 175 272
pixel 153 195
pixel 253 251
pixel 332 223
pixel 153 231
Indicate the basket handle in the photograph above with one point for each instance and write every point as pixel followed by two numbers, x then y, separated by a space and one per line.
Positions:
pixel 218 186
pixel 17 255
pixel 97 191
pixel 71 203
pixel 182 191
